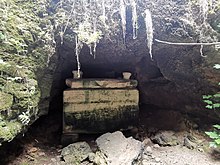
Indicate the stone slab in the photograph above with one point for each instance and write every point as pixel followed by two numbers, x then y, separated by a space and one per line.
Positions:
pixel 85 96
pixel 99 110
pixel 100 83
pixel 72 108
pixel 101 120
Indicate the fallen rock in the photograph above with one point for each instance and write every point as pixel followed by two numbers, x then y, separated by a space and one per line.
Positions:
pixel 147 142
pixel 165 138
pixel 100 158
pixel 156 146
pixel 116 149
pixel 148 149
pixel 76 153
pixel 190 144
pixel 32 150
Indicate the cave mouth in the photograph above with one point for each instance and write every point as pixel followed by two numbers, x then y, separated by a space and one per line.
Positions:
pixel 143 70
pixel 103 66
pixel 46 132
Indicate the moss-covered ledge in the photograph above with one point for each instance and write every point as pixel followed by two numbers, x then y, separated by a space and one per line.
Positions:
pixel 26 47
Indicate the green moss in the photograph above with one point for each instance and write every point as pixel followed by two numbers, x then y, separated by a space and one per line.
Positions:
pixel 6 101
pixel 26 43
pixel 8 132
pixel 101 120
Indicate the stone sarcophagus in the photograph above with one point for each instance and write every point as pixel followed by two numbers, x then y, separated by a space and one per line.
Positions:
pixel 99 105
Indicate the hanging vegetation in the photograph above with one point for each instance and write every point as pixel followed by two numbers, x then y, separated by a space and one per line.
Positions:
pixel 92 21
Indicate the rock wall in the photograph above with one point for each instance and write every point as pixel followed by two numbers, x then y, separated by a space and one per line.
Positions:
pixel 27 61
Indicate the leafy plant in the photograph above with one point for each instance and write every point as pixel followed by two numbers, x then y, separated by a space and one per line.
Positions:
pixel 215 136
pixel 213 102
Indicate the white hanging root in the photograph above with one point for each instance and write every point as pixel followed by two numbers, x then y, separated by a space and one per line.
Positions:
pixel 78 49
pixel 94 31
pixel 90 50
pixel 94 49
pixel 217 47
pixel 123 17
pixel 189 44
pixel 149 31
pixel 92 46
pixel 62 31
pixel 204 8
pixel 134 18
pixel 201 51
pixel 103 11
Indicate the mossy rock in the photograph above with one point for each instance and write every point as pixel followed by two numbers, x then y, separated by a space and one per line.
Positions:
pixel 6 101
pixel 9 130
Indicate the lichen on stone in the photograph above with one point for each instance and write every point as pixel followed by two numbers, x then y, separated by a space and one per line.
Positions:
pixel 26 45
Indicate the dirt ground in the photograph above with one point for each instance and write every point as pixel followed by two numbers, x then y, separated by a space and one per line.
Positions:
pixel 177 155
pixel 41 144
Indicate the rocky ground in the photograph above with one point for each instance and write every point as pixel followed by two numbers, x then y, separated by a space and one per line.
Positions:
pixel 161 138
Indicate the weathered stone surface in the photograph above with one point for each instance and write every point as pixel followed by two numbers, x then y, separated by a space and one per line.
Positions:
pixel 189 144
pixel 99 110
pixel 76 153
pixel 100 83
pixel 185 77
pixel 24 86
pixel 86 96
pixel 116 149
pixel 165 138
pixel 193 142
pixel 90 107
pixel 100 120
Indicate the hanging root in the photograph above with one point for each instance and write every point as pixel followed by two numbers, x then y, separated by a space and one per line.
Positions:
pixel 204 8
pixel 134 18
pixel 188 43
pixel 149 31
pixel 123 18
pixel 216 44
pixel 201 51
pixel 78 49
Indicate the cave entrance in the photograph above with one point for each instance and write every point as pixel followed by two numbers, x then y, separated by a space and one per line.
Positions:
pixel 98 102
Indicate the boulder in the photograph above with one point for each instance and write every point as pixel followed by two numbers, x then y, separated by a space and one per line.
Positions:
pixel 189 144
pixel 76 153
pixel 116 149
pixel 27 64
